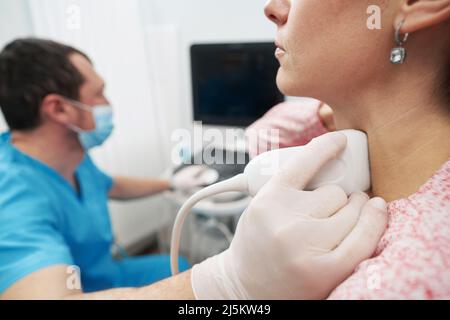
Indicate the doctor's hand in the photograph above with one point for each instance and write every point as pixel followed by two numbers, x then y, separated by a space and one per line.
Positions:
pixel 192 177
pixel 295 244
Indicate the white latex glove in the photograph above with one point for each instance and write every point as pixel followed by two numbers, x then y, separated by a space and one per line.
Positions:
pixel 294 244
pixel 193 177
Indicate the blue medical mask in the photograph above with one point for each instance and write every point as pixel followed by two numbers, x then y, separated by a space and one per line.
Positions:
pixel 103 118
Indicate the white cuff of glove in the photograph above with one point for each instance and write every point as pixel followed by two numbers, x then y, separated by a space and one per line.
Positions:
pixel 216 279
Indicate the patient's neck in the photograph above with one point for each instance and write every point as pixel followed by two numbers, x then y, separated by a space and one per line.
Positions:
pixel 405 153
pixel 408 139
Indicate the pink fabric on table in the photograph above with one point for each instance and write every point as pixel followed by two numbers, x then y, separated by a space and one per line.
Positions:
pixel 412 260
pixel 285 125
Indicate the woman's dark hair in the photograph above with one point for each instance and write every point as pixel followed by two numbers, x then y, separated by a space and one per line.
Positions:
pixel 31 69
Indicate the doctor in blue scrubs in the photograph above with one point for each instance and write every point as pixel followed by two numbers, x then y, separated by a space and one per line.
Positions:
pixel 54 199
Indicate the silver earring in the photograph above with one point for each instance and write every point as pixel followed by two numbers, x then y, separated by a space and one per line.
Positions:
pixel 398 54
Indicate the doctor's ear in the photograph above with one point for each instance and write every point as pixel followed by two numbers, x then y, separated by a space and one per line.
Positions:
pixel 55 108
pixel 422 14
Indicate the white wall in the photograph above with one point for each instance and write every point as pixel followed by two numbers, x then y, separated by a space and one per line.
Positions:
pixel 204 21
pixel 14 22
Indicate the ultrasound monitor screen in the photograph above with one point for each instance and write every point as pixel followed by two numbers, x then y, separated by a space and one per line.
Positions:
pixel 234 84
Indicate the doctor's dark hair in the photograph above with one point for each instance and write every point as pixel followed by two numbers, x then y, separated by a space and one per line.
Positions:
pixel 31 69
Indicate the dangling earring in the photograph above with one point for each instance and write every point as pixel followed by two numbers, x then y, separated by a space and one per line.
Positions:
pixel 398 54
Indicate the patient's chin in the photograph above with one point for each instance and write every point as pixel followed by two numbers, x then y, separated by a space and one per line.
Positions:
pixel 288 86
pixel 284 85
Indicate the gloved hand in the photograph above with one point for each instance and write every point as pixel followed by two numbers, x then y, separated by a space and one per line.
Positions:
pixel 193 177
pixel 294 244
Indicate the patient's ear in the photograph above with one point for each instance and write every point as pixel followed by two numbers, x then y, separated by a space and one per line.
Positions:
pixel 422 14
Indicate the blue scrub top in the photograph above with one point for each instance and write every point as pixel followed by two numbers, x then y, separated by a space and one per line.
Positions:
pixel 45 222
